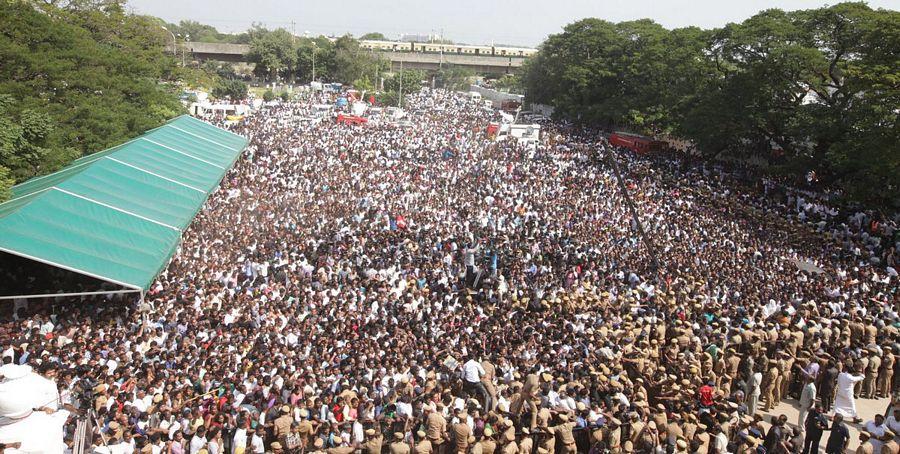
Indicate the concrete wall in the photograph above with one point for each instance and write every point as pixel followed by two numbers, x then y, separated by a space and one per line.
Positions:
pixel 478 63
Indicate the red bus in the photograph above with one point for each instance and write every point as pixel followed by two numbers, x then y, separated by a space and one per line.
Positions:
pixel 351 120
pixel 635 142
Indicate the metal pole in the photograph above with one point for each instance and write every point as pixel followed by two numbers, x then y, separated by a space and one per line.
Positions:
pixel 174 42
pixel 400 98
pixel 651 247
pixel 314 63
pixel 184 48
pixel 54 295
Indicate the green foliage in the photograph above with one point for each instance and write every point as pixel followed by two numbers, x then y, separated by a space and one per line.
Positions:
pixel 206 33
pixel 364 84
pixel 274 54
pixel 232 89
pixel 6 183
pixel 340 61
pixel 79 79
pixel 374 36
pixel 412 81
pixel 268 96
pixel 285 96
pixel 822 85
pixel 454 77
pixel 388 98
pixel 509 82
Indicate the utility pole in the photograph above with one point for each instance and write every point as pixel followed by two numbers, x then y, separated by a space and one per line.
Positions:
pixel 314 62
pixel 293 35
pixel 174 43
pixel 648 242
pixel 184 48
pixel 400 98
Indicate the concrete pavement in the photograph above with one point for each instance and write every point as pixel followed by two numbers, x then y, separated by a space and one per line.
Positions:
pixel 866 408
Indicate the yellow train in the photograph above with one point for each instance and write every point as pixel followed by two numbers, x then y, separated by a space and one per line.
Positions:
pixel 435 48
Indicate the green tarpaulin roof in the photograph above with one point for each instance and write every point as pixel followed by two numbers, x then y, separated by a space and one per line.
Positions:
pixel 117 215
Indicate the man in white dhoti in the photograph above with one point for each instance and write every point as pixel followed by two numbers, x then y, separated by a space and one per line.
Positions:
pixel 844 402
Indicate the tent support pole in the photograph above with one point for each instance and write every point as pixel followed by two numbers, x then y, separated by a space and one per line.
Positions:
pixel 54 295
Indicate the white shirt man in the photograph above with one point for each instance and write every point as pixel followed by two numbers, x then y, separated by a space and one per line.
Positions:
pixel 807 400
pixel 256 444
pixel 472 371
pixel 893 421
pixel 877 431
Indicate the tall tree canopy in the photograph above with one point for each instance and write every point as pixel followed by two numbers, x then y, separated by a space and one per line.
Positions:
pixel 75 78
pixel 821 86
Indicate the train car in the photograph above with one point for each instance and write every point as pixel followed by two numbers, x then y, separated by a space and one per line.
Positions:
pixel 446 48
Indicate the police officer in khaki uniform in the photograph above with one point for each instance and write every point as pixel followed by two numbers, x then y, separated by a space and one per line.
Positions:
pixel 526 443
pixel 435 427
pixel 865 444
pixel 613 435
pixel 399 446
pixel 564 431
pixel 488 381
pixel 869 389
pixel 374 442
pixel 461 433
pixel 890 445
pixel 509 443
pixel 424 444
pixel 701 439
pixel 770 380
pixel 487 445
pixel 282 424
pixel 886 375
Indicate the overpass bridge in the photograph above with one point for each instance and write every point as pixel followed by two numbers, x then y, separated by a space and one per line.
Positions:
pixel 482 64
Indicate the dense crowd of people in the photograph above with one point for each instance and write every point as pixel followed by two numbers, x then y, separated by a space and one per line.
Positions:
pixel 418 287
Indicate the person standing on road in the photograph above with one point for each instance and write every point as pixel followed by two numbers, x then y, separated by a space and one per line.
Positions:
pixel 844 400
pixel 807 400
pixel 754 392
pixel 815 425
pixel 839 437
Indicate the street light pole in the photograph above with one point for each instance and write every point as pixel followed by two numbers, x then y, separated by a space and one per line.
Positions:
pixel 314 62
pixel 184 48
pixel 400 97
pixel 174 42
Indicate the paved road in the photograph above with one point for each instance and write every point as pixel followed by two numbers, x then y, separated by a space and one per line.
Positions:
pixel 867 409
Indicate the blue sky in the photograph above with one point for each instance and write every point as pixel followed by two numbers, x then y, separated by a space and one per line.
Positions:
pixel 524 22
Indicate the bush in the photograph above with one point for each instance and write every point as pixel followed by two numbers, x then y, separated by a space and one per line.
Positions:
pixel 268 96
pixel 231 89
pixel 285 96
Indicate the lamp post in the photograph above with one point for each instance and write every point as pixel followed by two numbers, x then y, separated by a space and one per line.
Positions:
pixel 174 42
pixel 314 62
pixel 184 48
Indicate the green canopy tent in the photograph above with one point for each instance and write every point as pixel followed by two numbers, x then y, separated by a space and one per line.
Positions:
pixel 117 215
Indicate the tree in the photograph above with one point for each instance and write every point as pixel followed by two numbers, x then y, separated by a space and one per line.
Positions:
pixel 412 81
pixel 819 86
pixel 509 82
pixel 83 76
pixel 373 36
pixel 232 89
pixel 454 77
pixel 6 184
pixel 323 49
pixel 352 62
pixel 274 54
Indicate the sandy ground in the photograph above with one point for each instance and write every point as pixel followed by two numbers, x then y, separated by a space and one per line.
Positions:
pixel 867 409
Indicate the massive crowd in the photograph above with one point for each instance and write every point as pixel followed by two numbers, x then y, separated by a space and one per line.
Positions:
pixel 420 288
